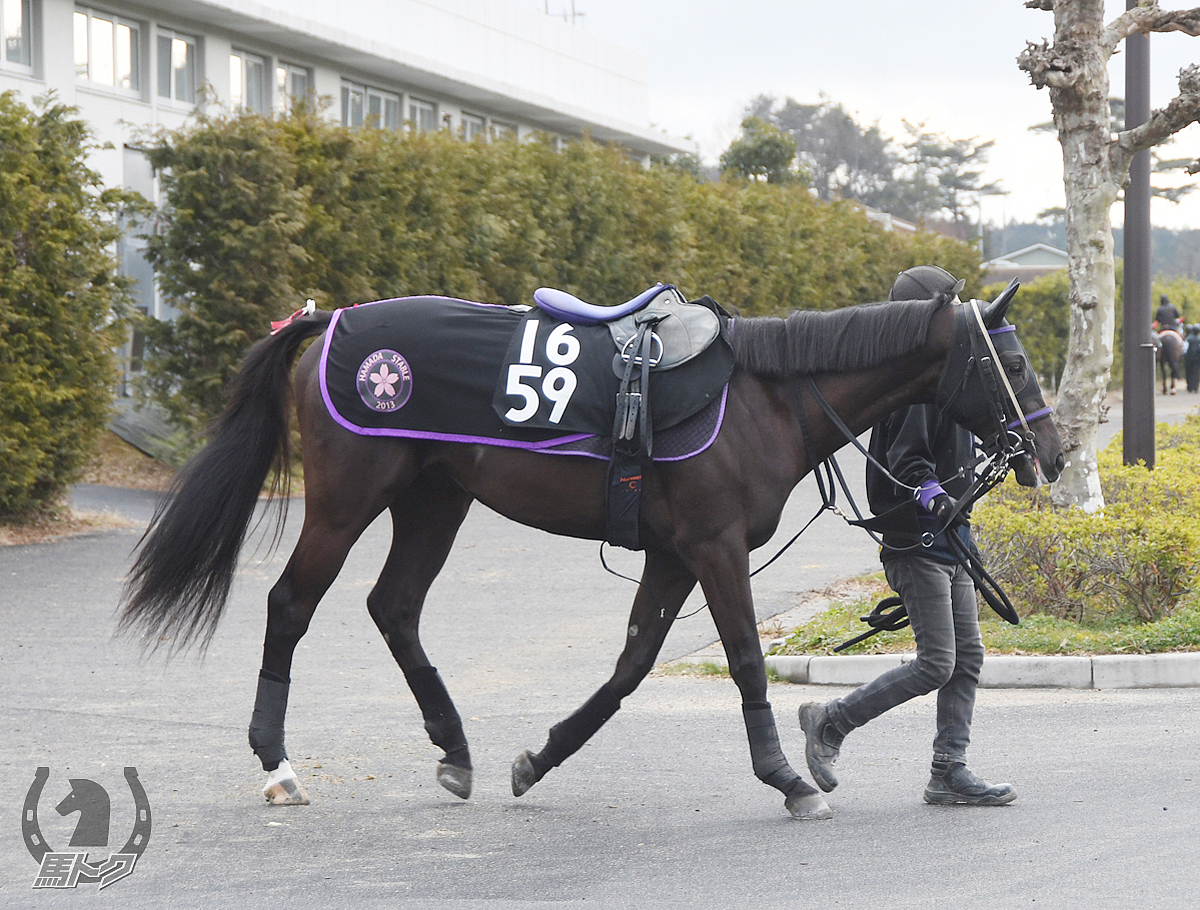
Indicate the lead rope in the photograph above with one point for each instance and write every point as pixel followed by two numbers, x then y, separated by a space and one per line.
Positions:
pixel 795 537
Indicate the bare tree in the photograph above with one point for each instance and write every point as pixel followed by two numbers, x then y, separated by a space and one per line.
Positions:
pixel 1074 69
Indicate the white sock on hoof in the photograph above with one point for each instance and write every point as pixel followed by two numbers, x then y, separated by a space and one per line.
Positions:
pixel 279 775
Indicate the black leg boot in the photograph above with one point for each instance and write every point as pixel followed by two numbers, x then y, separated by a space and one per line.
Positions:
pixel 953 784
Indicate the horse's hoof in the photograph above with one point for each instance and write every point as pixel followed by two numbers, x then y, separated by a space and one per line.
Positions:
pixel 455 779
pixel 810 807
pixel 524 774
pixel 282 788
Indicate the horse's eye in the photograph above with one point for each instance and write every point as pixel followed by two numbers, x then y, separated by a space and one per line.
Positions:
pixel 1016 368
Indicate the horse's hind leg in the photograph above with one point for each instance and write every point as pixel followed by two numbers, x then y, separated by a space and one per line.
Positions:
pixel 313 566
pixel 425 520
pixel 666 583
pixel 339 505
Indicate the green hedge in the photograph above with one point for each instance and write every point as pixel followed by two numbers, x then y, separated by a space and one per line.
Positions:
pixel 259 215
pixel 1136 560
pixel 60 302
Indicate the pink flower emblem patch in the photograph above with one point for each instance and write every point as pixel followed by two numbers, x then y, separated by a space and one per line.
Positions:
pixel 384 381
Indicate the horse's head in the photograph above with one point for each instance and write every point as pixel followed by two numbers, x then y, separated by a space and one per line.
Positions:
pixel 989 387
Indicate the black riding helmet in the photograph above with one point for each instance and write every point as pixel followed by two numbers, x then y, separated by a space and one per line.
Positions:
pixel 924 282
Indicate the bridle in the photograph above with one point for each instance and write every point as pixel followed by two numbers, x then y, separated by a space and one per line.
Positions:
pixel 1013 437
pixel 1013 434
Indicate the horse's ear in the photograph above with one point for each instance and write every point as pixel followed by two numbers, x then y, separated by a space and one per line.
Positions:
pixel 994 312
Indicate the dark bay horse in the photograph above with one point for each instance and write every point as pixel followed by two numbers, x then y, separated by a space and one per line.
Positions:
pixel 1169 353
pixel 699 519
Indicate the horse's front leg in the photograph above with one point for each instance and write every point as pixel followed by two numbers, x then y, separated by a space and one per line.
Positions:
pixel 665 584
pixel 724 571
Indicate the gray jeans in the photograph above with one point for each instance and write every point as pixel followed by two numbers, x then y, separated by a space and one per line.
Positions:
pixel 940 600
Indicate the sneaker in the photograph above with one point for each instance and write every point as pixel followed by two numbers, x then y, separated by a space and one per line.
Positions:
pixel 953 784
pixel 822 744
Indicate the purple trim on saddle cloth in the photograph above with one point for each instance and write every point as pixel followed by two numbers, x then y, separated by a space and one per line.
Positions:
pixel 417 434
pixel 686 439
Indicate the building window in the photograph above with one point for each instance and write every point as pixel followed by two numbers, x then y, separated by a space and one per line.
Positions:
pixel 176 67
pixel 363 106
pixel 107 50
pixel 134 265
pixel 16 25
pixel 473 127
pixel 422 116
pixel 383 110
pixel 248 82
pixel 353 105
pixel 291 86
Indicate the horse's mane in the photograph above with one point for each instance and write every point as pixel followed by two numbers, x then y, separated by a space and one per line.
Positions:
pixel 814 341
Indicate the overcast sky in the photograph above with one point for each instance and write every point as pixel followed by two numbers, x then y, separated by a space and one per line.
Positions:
pixel 948 63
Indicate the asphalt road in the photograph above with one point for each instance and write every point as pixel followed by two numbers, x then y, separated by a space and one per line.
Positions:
pixel 660 810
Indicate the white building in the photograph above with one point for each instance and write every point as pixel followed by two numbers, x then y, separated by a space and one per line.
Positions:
pixel 1027 264
pixel 487 67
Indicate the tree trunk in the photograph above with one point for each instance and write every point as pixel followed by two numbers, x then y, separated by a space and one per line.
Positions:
pixel 1081 115
pixel 1074 70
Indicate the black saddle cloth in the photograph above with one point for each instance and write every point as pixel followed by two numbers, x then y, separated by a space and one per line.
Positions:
pixel 456 370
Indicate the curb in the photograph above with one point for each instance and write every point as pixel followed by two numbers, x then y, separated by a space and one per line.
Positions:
pixel 1000 671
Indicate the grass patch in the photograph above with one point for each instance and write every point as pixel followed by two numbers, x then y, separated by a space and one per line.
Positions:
pixel 1038 634
pixel 686 669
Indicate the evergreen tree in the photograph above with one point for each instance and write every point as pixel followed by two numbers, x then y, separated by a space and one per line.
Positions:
pixel 60 302
pixel 762 152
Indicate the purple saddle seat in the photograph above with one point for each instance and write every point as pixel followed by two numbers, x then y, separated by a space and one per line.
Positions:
pixel 570 308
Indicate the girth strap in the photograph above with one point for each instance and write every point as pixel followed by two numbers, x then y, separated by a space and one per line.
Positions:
pixel 633 438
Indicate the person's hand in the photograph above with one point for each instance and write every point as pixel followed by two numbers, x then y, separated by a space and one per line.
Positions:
pixel 941 507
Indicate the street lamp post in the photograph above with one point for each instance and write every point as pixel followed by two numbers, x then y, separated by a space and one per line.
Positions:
pixel 1138 362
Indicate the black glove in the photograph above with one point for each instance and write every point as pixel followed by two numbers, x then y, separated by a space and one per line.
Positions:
pixel 941 507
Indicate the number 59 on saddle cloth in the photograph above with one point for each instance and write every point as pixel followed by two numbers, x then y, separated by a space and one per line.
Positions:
pixel 455 370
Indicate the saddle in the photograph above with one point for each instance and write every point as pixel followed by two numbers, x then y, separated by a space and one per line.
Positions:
pixel 681 330
pixel 654 332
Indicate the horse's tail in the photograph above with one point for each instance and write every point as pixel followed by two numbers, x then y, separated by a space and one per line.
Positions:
pixel 180 582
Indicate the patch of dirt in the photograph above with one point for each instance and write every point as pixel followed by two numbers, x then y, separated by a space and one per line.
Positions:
pixel 116 464
pixel 58 524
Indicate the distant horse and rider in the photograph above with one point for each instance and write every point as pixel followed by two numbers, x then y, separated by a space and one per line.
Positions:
pixel 1170 344
pixel 792 389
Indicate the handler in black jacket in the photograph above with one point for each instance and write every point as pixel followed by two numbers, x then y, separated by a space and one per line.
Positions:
pixel 921 449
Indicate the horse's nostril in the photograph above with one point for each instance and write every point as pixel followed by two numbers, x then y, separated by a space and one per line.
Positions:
pixel 1060 462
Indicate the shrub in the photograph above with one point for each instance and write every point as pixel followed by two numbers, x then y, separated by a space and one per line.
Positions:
pixel 60 302
pixel 1136 560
